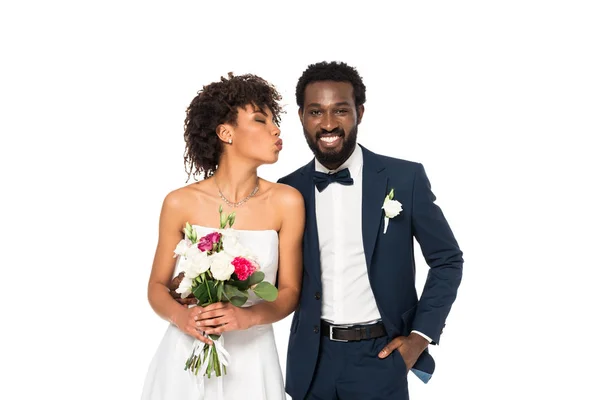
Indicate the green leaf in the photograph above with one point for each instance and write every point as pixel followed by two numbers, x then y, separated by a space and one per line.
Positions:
pixel 212 286
pixel 391 195
pixel 201 293
pixel 238 301
pixel 220 291
pixel 231 219
pixel 241 285
pixel 256 277
pixel 253 279
pixel 206 292
pixel 232 291
pixel 266 291
pixel 235 296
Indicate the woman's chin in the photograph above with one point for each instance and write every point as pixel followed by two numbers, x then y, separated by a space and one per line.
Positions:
pixel 273 159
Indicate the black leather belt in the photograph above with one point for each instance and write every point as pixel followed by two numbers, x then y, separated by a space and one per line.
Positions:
pixel 343 333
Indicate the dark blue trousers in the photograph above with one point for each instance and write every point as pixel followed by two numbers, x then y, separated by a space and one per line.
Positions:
pixel 352 371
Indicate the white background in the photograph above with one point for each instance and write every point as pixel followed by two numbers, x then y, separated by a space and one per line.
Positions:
pixel 499 100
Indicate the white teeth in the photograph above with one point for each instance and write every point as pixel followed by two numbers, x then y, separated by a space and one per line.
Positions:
pixel 330 139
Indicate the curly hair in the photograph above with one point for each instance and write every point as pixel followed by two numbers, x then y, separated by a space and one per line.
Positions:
pixel 218 103
pixel 331 71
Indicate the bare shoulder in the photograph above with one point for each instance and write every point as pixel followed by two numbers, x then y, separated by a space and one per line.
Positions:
pixel 177 198
pixel 287 196
pixel 183 198
pixel 289 205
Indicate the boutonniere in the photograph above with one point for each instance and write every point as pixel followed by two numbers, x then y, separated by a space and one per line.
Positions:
pixel 391 208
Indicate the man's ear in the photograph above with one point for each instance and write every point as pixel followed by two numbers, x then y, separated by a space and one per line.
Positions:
pixel 360 111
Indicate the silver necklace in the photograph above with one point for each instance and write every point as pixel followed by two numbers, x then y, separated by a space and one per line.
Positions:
pixel 239 203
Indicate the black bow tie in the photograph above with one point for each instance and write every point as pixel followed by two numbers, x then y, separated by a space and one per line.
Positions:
pixel 322 180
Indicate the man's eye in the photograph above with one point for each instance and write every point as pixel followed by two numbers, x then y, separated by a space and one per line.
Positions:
pixel 315 112
pixel 341 111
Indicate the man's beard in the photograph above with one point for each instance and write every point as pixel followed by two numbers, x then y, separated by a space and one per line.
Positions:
pixel 329 158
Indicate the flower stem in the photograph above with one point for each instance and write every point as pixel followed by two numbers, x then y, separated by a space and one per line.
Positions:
pixel 216 364
pixel 208 290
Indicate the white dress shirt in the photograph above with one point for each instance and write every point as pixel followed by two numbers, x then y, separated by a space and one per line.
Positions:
pixel 347 297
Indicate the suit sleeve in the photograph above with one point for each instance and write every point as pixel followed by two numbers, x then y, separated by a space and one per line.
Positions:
pixel 442 254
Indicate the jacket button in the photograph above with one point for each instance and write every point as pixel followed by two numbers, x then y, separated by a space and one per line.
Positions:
pixel 316 329
pixel 318 295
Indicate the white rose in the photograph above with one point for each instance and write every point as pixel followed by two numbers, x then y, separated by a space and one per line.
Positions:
pixel 391 207
pixel 247 254
pixel 182 247
pixel 195 263
pixel 233 247
pixel 220 266
pixel 185 287
pixel 230 241
pixel 240 251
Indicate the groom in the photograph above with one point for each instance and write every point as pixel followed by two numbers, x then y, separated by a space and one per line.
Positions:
pixel 360 326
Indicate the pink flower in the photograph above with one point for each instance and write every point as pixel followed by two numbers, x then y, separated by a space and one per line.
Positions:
pixel 206 243
pixel 243 268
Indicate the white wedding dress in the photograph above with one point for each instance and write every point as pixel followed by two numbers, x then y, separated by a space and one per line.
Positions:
pixel 253 372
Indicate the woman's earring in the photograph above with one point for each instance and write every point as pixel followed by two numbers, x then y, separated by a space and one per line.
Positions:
pixel 230 141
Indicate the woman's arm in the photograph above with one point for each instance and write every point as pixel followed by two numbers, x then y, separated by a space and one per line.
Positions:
pixel 170 233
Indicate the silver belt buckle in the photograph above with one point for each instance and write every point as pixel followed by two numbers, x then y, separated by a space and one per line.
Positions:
pixel 331 335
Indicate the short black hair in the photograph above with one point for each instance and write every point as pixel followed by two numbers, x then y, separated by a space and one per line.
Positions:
pixel 218 103
pixel 331 71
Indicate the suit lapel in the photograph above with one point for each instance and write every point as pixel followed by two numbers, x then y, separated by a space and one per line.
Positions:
pixel 374 191
pixel 311 237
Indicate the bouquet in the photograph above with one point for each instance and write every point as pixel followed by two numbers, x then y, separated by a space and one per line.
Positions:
pixel 218 268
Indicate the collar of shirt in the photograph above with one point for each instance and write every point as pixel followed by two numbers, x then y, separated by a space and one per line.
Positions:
pixel 354 163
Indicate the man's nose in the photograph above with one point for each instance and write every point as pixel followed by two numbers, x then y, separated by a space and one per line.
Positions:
pixel 328 123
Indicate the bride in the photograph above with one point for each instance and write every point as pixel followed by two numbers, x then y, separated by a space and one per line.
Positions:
pixel 231 128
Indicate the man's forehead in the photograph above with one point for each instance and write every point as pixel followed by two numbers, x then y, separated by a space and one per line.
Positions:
pixel 329 91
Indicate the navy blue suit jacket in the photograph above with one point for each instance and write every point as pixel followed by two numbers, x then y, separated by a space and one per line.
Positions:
pixel 390 262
